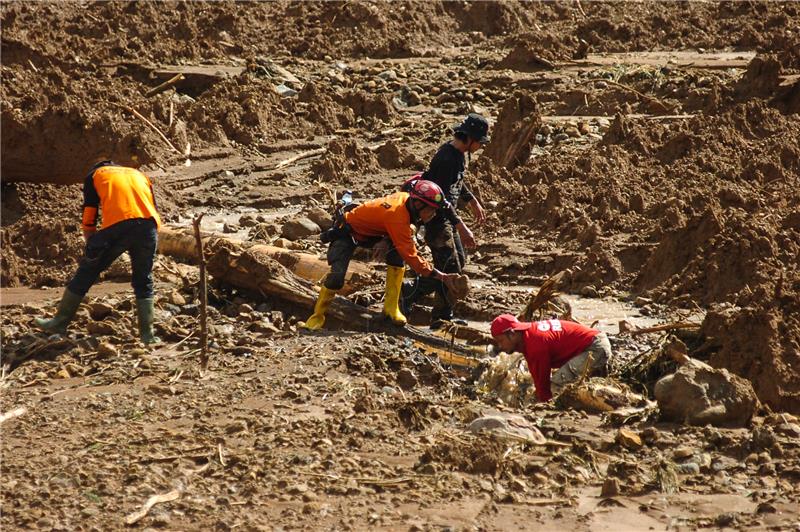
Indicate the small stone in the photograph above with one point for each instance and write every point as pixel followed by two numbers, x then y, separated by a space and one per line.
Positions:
pixel 764 458
pixel 561 137
pixel 106 350
pixel 100 311
pixel 176 298
pixel 388 75
pixel 628 439
pixel 689 468
pixel 682 452
pixel 63 374
pixel 298 489
pixel 299 228
pixel 610 487
pixel 406 379
pixel 282 243
pixel 546 130
pixel 321 217
pixel 572 131
pixel 584 128
pixel 589 291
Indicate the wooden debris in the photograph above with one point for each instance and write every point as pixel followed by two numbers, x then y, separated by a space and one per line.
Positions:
pixel 542 297
pixel 203 294
pixel 149 124
pixel 164 86
pixel 11 414
pixel 666 327
pixel 181 244
pixel 304 155
pixel 651 99
pixel 152 501
pixel 255 270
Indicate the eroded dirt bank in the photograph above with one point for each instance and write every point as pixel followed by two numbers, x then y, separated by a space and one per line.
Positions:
pixel 649 149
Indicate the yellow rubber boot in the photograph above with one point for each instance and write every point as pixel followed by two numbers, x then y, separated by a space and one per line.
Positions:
pixel 391 301
pixel 317 320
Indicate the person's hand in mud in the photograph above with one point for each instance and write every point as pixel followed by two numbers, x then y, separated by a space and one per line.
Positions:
pixel 477 211
pixel 466 235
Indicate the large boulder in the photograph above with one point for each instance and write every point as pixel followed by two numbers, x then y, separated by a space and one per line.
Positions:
pixel 299 228
pixel 698 394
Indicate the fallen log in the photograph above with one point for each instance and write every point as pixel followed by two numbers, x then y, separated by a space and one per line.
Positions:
pixel 181 244
pixel 254 269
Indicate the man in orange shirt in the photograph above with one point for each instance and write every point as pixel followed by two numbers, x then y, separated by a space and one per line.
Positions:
pixel 366 225
pixel 130 223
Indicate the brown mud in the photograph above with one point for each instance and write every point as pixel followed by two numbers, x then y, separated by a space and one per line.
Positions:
pixel 648 149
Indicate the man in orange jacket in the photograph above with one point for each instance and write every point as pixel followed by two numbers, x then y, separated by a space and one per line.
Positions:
pixel 125 198
pixel 392 217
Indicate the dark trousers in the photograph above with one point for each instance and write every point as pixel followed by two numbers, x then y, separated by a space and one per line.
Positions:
pixel 448 257
pixel 138 236
pixel 341 250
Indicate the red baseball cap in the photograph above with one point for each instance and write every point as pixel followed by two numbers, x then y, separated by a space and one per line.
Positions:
pixel 506 322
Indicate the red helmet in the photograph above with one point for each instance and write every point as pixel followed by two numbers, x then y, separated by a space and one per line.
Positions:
pixel 427 192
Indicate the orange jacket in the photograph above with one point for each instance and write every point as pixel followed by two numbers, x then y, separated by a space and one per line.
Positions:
pixel 388 216
pixel 121 193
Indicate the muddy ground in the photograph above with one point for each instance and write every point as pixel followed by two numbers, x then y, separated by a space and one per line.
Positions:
pixel 661 172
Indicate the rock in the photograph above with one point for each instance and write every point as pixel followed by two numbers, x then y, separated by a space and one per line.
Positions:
pixel 282 243
pixel 789 429
pixel 249 220
pixel 561 137
pixel 572 131
pixel 388 75
pixel 682 453
pixel 237 426
pixel 628 439
pixel 63 374
pixel 610 487
pixel 689 468
pixel 299 228
pixel 229 228
pixel 106 350
pixel 100 311
pixel 406 379
pixel 321 217
pixel 100 328
pixel 589 291
pixel 698 394
pixel 508 426
pixel 584 128
pixel 285 92
pixel 176 298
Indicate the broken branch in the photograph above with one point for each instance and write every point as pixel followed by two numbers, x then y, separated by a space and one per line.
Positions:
pixel 152 501
pixel 164 86
pixel 148 123
pixel 203 294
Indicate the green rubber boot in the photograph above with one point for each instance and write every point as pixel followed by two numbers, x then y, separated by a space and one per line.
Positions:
pixel 66 310
pixel 145 309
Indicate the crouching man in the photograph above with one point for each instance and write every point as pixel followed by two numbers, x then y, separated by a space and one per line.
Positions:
pixel 553 344
pixel 391 216
pixel 125 198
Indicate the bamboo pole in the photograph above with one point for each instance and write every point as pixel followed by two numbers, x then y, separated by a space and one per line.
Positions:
pixel 203 294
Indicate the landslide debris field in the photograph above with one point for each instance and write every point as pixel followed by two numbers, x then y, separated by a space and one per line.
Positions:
pixel 650 151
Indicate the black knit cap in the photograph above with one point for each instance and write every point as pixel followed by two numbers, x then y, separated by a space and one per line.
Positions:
pixel 474 126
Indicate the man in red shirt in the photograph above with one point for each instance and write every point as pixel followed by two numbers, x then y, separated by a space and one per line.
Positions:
pixel 553 344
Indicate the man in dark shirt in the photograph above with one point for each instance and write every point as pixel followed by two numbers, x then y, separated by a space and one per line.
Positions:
pixel 447 234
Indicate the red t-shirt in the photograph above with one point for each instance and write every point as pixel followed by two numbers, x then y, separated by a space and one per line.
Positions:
pixel 549 344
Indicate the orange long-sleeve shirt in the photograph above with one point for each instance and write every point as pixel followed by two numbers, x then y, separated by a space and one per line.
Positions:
pixel 389 216
pixel 121 193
